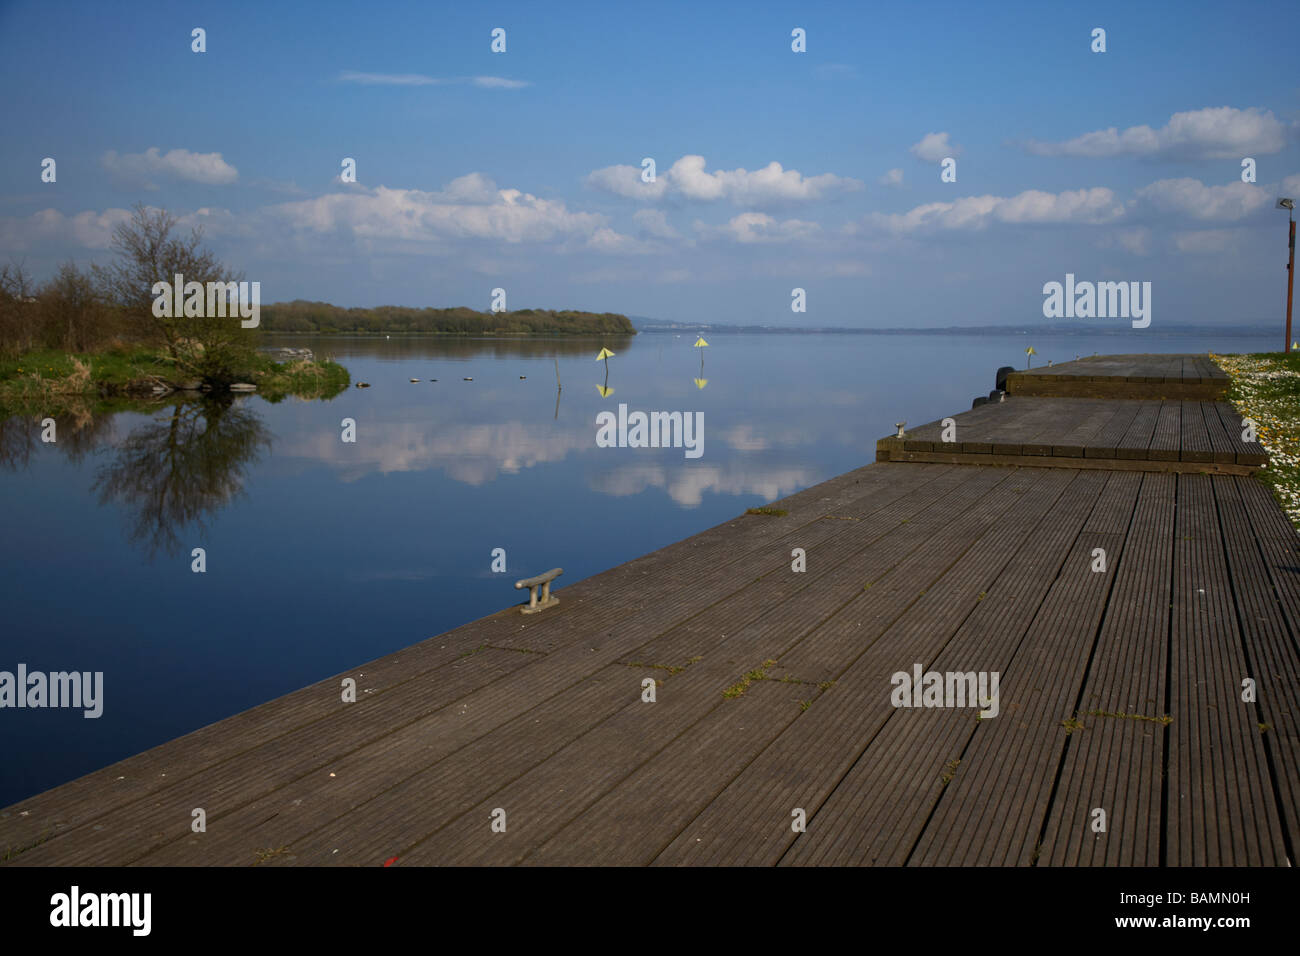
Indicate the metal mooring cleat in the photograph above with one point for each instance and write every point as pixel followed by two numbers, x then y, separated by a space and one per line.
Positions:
pixel 542 581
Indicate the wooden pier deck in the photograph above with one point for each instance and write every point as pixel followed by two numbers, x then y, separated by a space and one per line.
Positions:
pixel 1134 435
pixel 1121 691
pixel 1192 377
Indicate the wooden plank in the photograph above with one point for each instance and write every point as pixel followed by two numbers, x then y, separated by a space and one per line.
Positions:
pixel 1269 640
pixel 1113 763
pixel 878 810
pixel 1166 441
pixel 978 822
pixel 1223 446
pixel 1106 444
pixel 1101 464
pixel 748 822
pixel 1248 452
pixel 1219 811
pixel 1073 442
pixel 1195 437
pixel 1137 440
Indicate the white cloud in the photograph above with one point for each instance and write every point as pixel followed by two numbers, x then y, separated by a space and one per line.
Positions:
pixel 421 79
pixel 934 147
pixel 1192 198
pixel 1205 241
pixel 1291 187
pixel 499 83
pixel 142 169
pixel 89 229
pixel 626 181
pixel 470 188
pixel 893 177
pixel 389 79
pixel 1221 132
pixel 688 179
pixel 654 222
pixel 1136 240
pixel 608 240
pixel 470 208
pixel 1032 207
pixel 758 227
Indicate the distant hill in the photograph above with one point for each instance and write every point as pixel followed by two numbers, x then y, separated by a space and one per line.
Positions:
pixel 321 317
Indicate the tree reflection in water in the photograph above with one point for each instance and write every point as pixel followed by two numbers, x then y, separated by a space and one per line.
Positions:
pixel 175 472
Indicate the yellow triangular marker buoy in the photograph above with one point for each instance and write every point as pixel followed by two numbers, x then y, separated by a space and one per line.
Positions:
pixel 604 353
pixel 700 343
pixel 1030 351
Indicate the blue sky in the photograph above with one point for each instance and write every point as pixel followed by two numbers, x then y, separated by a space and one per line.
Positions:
pixel 521 169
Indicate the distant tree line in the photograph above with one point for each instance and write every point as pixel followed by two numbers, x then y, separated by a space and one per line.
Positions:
pixel 303 316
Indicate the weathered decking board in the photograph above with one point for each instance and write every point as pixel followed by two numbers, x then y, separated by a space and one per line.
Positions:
pixel 977 822
pixel 1114 755
pixel 877 814
pixel 1192 377
pixel 1221 808
pixel 952 566
pixel 1271 654
pixel 1175 436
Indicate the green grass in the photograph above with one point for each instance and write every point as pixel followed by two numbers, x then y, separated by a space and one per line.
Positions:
pixel 775 512
pixel 1266 388
pixel 269 853
pixel 739 688
pixel 48 381
pixel 1165 719
pixel 12 851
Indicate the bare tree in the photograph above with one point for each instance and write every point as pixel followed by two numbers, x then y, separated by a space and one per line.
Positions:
pixel 18 321
pixel 210 346
pixel 73 316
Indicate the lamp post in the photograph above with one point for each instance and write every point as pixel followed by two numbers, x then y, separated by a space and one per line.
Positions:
pixel 1289 205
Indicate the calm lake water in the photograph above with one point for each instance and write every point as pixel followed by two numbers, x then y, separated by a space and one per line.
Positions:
pixel 322 554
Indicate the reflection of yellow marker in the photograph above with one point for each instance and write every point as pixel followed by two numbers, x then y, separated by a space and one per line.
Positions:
pixel 701 344
pixel 605 354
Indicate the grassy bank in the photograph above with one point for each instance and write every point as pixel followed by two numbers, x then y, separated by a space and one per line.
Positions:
pixel 48 380
pixel 1266 389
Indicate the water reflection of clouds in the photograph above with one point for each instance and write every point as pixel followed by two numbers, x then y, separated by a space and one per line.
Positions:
pixel 471 454
pixel 686 484
pixel 478 454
